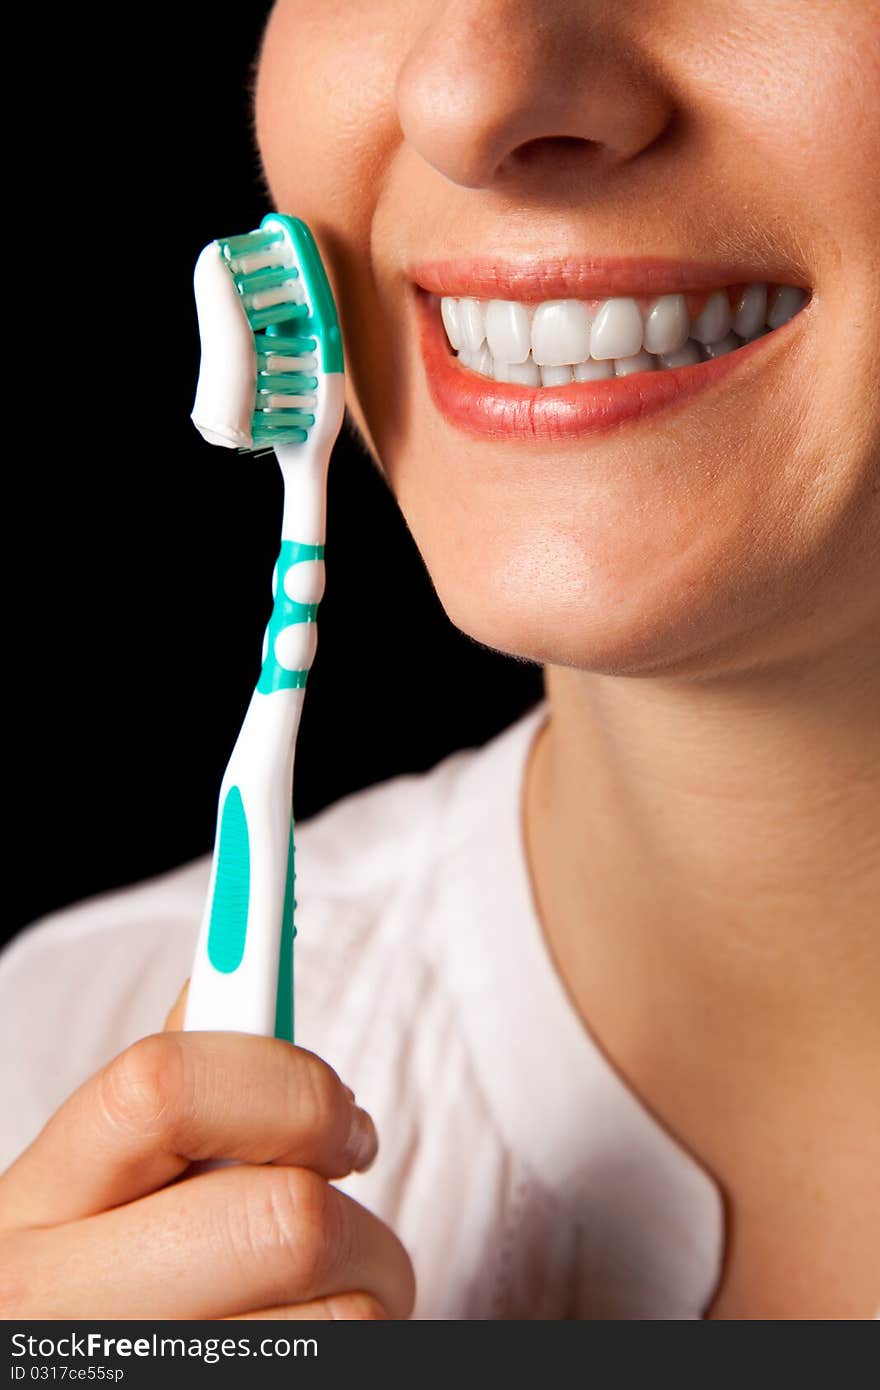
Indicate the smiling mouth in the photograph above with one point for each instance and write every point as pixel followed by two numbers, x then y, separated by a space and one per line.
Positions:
pixel 556 349
pixel 560 341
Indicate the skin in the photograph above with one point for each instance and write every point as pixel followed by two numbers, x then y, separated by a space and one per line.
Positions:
pixel 700 813
pixel 703 589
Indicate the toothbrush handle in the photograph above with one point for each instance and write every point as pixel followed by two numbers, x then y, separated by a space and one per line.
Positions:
pixel 242 978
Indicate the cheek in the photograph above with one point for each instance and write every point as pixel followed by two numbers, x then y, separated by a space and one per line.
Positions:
pixel 641 554
pixel 296 93
pixel 326 128
pixel 325 117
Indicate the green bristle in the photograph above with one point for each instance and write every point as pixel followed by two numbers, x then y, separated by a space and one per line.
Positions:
pixel 249 241
pixel 286 383
pixel 265 279
pixel 288 329
pixel 276 346
pixel 272 434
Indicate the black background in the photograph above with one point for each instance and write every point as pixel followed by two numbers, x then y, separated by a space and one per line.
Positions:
pixel 139 558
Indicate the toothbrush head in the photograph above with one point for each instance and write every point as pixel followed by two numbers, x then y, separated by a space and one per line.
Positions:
pixel 270 334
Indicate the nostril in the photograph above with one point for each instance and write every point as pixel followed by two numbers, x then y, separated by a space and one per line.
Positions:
pixel 561 143
pixel 551 151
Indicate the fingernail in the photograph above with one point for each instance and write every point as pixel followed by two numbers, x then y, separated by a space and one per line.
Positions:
pixel 363 1142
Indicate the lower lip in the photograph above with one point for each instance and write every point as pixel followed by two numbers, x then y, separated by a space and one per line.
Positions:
pixel 497 410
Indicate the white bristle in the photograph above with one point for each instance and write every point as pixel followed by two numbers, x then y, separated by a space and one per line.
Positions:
pixel 291 364
pixel 281 294
pixel 259 260
pixel 270 402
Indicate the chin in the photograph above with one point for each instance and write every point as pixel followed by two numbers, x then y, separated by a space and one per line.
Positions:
pixel 606 634
pixel 562 600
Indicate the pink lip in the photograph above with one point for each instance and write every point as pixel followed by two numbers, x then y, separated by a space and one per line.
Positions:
pixel 496 410
pixel 581 277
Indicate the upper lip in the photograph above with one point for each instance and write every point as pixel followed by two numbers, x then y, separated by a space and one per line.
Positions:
pixel 532 277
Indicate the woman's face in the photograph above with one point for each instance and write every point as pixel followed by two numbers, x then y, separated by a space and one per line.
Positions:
pixel 710 518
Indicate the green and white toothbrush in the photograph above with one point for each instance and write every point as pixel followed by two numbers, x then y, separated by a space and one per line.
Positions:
pixel 271 377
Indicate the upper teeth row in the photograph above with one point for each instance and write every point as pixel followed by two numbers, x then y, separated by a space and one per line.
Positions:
pixel 563 332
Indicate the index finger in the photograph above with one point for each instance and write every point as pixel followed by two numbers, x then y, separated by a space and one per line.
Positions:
pixel 176 1098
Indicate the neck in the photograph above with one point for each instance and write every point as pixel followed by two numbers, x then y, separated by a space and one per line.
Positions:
pixel 710 852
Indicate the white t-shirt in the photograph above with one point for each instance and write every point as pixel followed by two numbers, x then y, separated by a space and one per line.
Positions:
pixel 524 1177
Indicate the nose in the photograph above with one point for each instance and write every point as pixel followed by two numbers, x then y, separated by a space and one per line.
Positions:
pixel 487 84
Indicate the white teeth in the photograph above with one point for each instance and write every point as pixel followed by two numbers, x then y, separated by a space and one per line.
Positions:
pixel 450 317
pixel 479 361
pixel 470 324
pixel 555 376
pixel 750 311
pixel 667 325
pixel 593 371
pixel 561 333
pixel 639 362
pixel 524 373
pixel 564 340
pixel 714 321
pixel 617 330
pixel 720 349
pixel 686 356
pixel 785 304
pixel 507 330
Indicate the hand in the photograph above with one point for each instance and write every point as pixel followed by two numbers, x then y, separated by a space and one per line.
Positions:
pixel 95 1224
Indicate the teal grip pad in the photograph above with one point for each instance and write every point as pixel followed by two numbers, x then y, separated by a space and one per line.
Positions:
pixel 274 676
pixel 227 929
pixel 284 997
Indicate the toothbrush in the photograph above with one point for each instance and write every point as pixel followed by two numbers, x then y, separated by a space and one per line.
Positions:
pixel 271 377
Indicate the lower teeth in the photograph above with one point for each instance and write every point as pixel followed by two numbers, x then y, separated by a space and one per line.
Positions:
pixel 528 373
